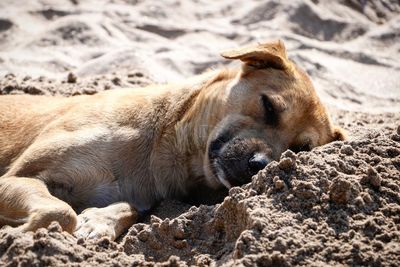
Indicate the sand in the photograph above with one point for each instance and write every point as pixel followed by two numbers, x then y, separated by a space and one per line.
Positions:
pixel 336 205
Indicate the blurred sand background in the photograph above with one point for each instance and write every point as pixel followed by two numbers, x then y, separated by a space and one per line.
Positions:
pixel 341 204
pixel 350 48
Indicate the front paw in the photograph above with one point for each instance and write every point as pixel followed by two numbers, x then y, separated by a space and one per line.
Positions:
pixel 94 224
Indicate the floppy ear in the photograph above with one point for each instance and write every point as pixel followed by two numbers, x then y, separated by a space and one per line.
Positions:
pixel 339 134
pixel 272 54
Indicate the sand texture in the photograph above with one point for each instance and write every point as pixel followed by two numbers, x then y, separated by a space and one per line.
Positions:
pixel 336 205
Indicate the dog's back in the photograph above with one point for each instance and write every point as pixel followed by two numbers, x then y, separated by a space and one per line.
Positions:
pixel 22 119
pixel 18 117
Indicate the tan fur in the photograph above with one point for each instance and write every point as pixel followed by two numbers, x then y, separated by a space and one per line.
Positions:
pixel 123 150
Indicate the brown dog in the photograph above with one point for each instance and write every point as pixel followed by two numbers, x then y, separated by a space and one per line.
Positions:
pixel 120 151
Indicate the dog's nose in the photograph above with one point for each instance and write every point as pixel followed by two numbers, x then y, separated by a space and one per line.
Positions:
pixel 257 162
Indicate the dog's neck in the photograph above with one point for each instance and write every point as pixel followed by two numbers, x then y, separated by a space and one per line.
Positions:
pixel 206 110
pixel 193 111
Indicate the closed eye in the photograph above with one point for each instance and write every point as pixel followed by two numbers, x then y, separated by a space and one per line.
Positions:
pixel 270 113
pixel 300 147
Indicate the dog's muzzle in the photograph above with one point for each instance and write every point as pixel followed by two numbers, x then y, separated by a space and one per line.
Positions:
pixel 235 161
pixel 229 178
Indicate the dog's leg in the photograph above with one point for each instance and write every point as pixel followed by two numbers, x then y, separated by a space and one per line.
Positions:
pixel 28 203
pixel 110 221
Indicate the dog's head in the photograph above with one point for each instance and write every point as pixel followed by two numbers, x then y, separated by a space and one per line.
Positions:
pixel 271 106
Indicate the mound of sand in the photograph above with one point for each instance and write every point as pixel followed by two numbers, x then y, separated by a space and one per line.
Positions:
pixel 338 204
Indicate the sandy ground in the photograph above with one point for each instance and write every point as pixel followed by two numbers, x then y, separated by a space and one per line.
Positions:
pixel 338 204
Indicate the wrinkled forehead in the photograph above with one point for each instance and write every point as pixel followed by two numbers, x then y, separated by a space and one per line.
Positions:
pixel 271 79
pixel 245 87
pixel 293 83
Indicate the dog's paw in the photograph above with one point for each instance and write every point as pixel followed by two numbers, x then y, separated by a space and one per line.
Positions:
pixel 94 224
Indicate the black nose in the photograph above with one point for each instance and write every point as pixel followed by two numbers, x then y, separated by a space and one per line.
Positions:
pixel 257 162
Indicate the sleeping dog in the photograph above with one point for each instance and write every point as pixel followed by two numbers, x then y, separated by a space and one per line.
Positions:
pixel 109 156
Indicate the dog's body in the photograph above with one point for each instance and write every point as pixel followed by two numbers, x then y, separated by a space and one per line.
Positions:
pixel 122 150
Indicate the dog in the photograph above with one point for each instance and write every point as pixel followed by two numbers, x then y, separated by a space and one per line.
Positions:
pixel 110 156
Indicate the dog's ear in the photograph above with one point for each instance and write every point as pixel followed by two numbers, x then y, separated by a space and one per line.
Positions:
pixel 339 134
pixel 271 54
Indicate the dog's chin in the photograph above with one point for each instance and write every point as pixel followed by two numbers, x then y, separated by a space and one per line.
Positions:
pixel 221 176
pixel 215 175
